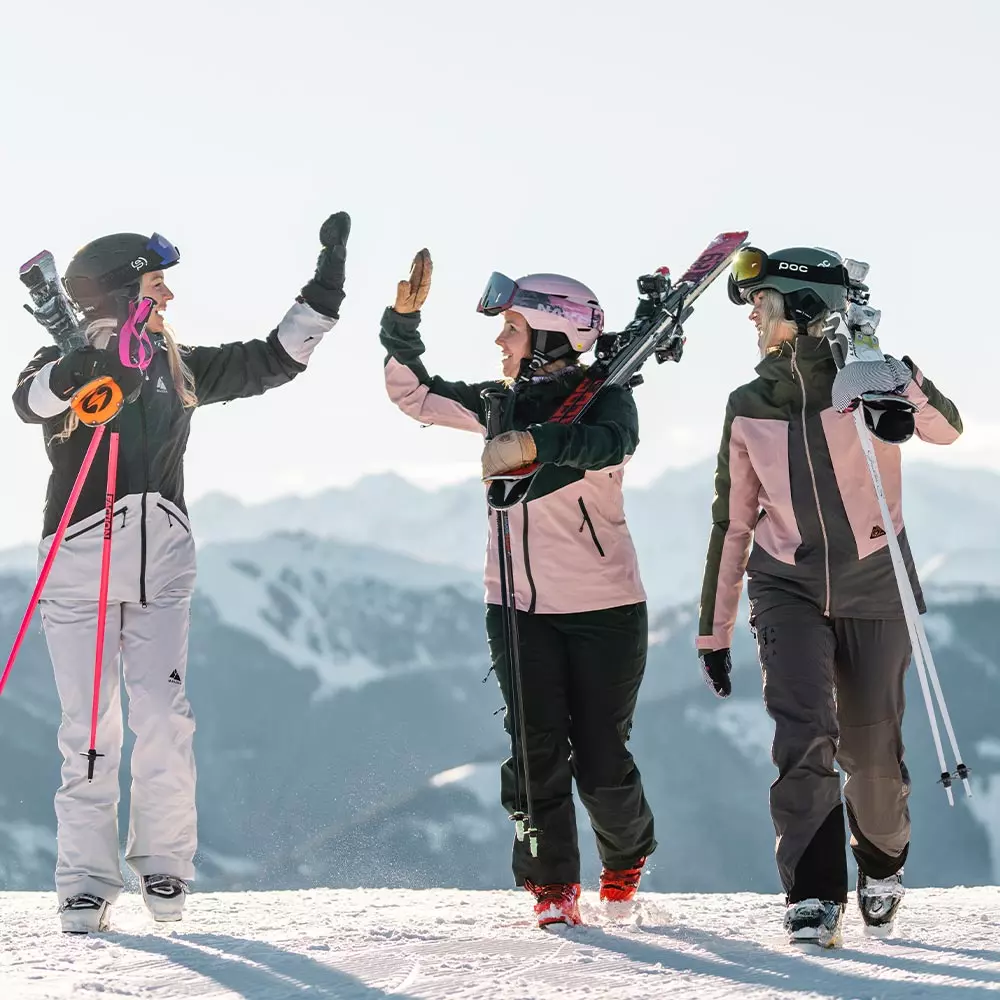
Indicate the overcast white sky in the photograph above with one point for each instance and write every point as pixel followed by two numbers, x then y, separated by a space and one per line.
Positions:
pixel 596 139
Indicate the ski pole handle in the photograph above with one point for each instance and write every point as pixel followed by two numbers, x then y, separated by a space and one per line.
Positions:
pixel 493 398
pixel 98 401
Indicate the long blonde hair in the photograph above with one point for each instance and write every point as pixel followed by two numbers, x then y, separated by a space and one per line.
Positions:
pixel 183 379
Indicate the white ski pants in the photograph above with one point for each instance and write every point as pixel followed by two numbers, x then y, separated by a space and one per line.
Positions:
pixel 151 643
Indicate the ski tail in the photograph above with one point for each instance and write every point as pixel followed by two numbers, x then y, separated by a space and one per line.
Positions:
pixel 52 306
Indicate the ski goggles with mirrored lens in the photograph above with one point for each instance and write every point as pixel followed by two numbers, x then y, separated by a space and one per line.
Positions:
pixel 162 253
pixel 748 267
pixel 159 253
pixel 751 266
pixel 503 293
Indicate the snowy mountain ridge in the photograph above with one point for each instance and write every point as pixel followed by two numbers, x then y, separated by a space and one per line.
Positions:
pixel 952 516
pixel 309 601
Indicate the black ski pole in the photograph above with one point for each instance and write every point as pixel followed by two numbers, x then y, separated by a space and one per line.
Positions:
pixel 522 817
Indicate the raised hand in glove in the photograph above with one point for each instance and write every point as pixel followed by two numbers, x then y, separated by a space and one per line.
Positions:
pixel 717 664
pixel 325 292
pixel 412 292
pixel 81 367
pixel 508 451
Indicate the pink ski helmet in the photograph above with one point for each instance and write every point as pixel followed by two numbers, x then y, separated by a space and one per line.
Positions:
pixel 551 303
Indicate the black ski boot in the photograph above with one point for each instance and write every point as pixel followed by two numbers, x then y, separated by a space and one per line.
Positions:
pixel 814 921
pixel 878 900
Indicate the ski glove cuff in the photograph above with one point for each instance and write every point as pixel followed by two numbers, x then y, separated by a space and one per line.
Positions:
pixel 508 451
pixel 80 367
pixel 716 666
pixel 325 292
pixel 859 378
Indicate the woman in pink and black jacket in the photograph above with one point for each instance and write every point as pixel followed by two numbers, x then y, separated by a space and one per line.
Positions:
pixel 796 511
pixel 580 603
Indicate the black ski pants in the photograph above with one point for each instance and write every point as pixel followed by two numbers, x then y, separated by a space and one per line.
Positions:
pixel 580 676
pixel 834 688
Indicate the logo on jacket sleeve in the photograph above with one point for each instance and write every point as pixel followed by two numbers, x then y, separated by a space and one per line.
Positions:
pixel 174 678
pixel 877 532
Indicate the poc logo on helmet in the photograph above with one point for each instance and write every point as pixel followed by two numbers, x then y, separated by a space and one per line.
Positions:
pixel 139 263
pixel 785 266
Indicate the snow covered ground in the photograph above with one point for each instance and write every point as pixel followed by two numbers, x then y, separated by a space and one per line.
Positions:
pixel 362 944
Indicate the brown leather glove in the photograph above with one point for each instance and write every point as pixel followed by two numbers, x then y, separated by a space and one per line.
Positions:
pixel 412 293
pixel 508 451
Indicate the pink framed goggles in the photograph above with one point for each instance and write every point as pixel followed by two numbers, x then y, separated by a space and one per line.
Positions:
pixel 502 293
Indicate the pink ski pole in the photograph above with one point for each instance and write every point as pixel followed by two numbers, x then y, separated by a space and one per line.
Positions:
pixel 74 496
pixel 102 601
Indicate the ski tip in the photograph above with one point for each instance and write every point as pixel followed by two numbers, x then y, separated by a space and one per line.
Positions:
pixel 736 234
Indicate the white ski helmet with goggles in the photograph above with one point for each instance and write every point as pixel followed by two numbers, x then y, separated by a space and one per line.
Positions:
pixel 551 304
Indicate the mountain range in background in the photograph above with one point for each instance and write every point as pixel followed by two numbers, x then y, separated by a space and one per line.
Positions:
pixel 346 736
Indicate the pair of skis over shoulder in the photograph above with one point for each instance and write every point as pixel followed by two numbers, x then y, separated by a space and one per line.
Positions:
pixel 657 329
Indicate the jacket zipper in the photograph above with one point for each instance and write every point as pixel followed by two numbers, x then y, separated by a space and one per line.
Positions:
pixel 99 524
pixel 173 517
pixel 527 561
pixel 812 476
pixel 142 516
pixel 590 524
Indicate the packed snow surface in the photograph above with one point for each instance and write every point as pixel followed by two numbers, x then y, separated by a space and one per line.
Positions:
pixel 360 944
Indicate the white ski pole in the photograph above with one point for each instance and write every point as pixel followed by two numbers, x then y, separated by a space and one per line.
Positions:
pixel 922 655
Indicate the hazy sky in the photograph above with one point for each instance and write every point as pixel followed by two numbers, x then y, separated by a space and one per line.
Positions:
pixel 595 139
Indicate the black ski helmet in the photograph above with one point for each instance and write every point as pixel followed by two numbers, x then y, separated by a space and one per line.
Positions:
pixel 810 279
pixel 104 274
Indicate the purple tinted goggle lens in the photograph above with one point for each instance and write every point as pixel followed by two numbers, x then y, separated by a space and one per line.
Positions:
pixel 498 294
pixel 168 254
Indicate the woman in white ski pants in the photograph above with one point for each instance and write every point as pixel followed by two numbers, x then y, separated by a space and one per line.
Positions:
pixel 153 561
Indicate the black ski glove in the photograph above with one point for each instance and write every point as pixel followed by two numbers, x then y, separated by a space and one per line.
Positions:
pixel 717 665
pixel 80 367
pixel 325 292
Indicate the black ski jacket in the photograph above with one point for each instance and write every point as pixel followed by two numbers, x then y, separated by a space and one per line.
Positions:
pixel 149 490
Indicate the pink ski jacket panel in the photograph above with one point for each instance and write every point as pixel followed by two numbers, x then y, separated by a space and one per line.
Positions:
pixel 794 505
pixel 570 546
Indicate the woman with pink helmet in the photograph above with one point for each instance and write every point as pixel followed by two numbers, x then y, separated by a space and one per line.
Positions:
pixel 580 604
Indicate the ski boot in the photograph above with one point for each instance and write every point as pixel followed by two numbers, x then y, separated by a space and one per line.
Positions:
pixel 619 885
pixel 878 900
pixel 557 903
pixel 83 913
pixel 814 921
pixel 164 896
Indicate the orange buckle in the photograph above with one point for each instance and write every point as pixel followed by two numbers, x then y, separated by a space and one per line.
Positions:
pixel 98 401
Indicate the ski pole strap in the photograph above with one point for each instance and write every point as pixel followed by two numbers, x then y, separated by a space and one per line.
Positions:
pixel 135 349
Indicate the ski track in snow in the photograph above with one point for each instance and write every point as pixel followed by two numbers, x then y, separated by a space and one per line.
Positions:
pixel 442 943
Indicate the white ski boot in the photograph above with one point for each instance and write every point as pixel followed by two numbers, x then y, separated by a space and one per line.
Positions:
pixel 878 900
pixel 814 921
pixel 83 913
pixel 164 896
